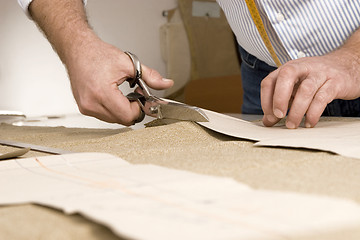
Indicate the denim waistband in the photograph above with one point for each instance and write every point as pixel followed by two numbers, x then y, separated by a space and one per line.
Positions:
pixel 253 62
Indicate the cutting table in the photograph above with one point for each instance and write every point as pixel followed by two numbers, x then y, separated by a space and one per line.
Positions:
pixel 179 145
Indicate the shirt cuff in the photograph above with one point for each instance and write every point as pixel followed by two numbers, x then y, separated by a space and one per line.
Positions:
pixel 25 6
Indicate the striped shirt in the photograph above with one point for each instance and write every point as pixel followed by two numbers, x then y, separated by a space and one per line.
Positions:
pixel 296 28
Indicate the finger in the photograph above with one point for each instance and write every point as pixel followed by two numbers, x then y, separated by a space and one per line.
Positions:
pixel 289 75
pixel 122 110
pixel 101 112
pixel 267 91
pixel 322 98
pixel 97 110
pixel 304 96
pixel 109 104
pixel 154 79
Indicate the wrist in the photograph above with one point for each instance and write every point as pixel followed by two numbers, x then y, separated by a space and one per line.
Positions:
pixel 81 44
pixel 347 57
pixel 351 50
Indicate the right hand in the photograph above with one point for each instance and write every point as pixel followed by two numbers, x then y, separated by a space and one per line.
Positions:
pixel 96 69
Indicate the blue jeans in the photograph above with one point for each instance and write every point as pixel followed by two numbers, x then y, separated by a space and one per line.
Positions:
pixel 253 71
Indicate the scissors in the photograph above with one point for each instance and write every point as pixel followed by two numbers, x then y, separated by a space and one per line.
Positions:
pixel 157 107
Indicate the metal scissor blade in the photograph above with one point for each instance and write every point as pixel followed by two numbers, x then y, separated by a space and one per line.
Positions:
pixel 180 111
pixel 157 107
pixel 163 108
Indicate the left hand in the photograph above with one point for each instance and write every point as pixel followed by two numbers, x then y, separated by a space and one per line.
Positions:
pixel 305 86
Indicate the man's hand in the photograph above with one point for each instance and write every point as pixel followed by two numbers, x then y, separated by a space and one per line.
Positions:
pixel 95 68
pixel 305 86
pixel 96 71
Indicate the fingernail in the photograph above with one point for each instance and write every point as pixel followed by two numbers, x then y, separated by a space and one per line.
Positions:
pixel 307 125
pixel 271 118
pixel 167 80
pixel 278 113
pixel 290 125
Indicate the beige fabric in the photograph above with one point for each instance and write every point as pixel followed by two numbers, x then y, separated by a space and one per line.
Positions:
pixel 14 153
pixel 176 54
pixel 185 145
pixel 27 221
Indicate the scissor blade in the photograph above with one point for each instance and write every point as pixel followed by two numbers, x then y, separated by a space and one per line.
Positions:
pixel 182 111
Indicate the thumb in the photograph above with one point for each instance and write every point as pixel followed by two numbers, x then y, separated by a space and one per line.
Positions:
pixel 154 79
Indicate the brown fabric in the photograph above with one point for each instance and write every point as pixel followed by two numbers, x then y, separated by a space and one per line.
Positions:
pixel 219 94
pixel 176 54
pixel 183 145
pixel 212 45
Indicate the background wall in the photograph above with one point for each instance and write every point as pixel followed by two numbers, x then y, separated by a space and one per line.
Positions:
pixel 33 79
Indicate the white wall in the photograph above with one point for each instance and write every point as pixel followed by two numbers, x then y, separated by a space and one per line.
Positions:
pixel 32 78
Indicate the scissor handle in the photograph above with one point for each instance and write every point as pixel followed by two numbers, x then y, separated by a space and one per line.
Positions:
pixel 137 75
pixel 134 96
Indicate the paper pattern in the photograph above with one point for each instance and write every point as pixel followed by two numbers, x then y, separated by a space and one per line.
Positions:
pixel 152 202
pixel 341 137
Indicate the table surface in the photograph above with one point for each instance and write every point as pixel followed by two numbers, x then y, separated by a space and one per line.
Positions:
pixel 179 145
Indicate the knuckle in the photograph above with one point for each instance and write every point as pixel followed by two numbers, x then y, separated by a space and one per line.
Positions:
pixel 265 84
pixel 85 106
pixel 311 117
pixel 287 70
pixel 336 87
pixel 322 98
pixel 127 119
pixel 279 104
pixel 87 102
pixel 307 88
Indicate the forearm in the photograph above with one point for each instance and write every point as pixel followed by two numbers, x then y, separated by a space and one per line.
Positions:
pixel 352 48
pixel 64 23
pixel 348 57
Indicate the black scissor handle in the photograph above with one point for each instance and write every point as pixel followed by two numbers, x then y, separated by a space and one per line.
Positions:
pixel 134 96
